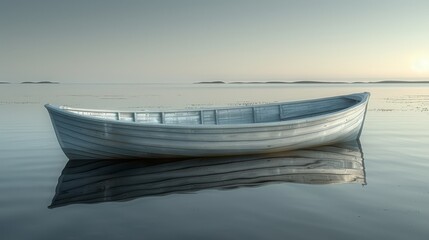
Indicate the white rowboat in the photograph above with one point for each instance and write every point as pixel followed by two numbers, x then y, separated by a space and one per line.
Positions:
pixel 107 134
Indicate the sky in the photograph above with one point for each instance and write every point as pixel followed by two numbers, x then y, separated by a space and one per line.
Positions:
pixel 206 40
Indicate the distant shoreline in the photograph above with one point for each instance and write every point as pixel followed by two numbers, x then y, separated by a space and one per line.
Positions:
pixel 41 82
pixel 267 82
pixel 312 82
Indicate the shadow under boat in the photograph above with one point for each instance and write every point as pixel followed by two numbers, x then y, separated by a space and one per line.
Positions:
pixel 96 181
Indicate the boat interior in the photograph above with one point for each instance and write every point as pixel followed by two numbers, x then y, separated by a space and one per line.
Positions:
pixel 223 116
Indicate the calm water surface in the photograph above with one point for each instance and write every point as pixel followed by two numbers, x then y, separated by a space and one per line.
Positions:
pixel 392 205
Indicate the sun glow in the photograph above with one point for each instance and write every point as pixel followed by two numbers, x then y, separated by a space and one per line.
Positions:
pixel 421 65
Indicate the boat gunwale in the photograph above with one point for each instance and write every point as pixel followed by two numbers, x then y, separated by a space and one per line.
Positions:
pixel 364 96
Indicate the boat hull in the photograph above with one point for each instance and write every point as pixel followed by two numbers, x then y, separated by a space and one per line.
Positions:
pixel 84 137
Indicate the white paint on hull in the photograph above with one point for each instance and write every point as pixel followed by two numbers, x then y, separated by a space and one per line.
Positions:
pixel 83 135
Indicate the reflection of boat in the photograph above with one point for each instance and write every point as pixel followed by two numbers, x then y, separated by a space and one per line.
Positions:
pixel 90 181
pixel 100 134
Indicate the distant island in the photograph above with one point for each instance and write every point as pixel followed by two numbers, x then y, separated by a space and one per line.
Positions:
pixel 212 82
pixel 397 81
pixel 41 82
pixel 4 82
pixel 312 82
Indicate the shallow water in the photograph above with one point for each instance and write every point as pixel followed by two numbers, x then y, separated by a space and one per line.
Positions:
pixel 393 204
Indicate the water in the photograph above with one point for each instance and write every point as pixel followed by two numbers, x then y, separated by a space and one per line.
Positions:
pixel 393 204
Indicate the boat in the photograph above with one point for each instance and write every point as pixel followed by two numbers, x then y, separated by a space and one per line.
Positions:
pixel 242 130
pixel 97 181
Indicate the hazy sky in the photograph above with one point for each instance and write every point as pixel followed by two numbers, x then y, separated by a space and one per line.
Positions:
pixel 188 41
